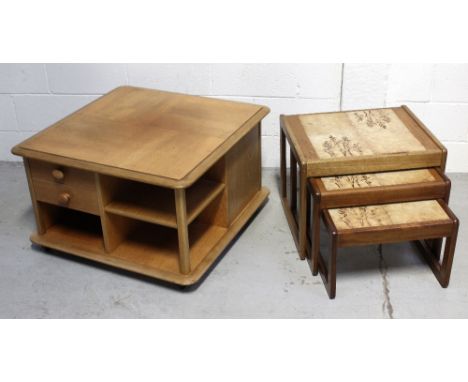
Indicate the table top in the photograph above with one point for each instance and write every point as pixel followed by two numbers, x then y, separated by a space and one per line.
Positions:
pixel 379 179
pixel 362 141
pixel 382 215
pixel 165 138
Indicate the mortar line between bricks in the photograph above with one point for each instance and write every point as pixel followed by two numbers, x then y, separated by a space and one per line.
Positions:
pixel 53 94
pixel 341 86
pixel 15 112
pixel 271 97
pixel 47 78
pixel 127 80
pixel 432 102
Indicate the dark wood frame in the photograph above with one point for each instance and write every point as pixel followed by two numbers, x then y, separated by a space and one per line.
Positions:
pixel 301 152
pixel 297 221
pixel 418 233
pixel 354 197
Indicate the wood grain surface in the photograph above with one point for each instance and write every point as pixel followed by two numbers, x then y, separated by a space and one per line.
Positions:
pixel 130 131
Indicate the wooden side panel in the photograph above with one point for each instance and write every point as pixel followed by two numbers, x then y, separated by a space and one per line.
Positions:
pixel 216 212
pixel 243 173
pixel 44 214
pixel 114 228
pixel 41 227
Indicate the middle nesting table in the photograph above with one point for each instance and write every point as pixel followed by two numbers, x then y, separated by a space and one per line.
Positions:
pixel 352 142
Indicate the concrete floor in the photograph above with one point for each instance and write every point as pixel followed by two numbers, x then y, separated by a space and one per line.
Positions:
pixel 259 276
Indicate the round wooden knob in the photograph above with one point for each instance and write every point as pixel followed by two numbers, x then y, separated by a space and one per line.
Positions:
pixel 58 174
pixel 64 198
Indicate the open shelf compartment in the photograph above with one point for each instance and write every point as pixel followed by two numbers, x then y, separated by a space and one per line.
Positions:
pixel 156 205
pixel 79 230
pixel 150 249
pixel 156 247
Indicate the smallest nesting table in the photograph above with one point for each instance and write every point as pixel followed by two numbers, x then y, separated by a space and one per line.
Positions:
pixel 378 224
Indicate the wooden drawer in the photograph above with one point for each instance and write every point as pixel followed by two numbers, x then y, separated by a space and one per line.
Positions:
pixel 64 186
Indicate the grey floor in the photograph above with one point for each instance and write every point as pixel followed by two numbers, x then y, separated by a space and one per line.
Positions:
pixel 259 276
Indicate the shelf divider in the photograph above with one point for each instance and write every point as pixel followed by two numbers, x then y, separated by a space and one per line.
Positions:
pixel 156 205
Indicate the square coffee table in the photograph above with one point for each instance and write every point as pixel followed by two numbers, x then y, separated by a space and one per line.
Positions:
pixel 149 181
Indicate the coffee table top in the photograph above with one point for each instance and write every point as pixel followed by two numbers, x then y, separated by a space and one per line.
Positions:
pixel 362 141
pixel 165 138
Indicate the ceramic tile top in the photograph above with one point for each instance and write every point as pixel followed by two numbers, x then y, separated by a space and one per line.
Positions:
pixel 391 178
pixel 388 214
pixel 355 133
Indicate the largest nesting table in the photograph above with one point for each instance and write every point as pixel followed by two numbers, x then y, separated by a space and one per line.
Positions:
pixel 153 182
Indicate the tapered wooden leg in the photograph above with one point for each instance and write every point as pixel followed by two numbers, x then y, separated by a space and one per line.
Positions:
pixel 315 237
pixel 308 219
pixel 436 244
pixel 331 287
pixel 283 163
pixel 182 231
pixel 293 183
pixel 328 271
pixel 302 213
pixel 442 270
pixel 449 251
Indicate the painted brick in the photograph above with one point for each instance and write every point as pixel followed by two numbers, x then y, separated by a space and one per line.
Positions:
pixel 450 83
pixel 318 80
pixel 233 98
pixel 271 123
pixel 36 112
pixel 184 78
pixel 364 86
pixel 8 139
pixel 410 82
pixel 436 93
pixel 85 78
pixel 7 113
pixel 23 78
pixel 270 151
pixel 447 121
pixel 261 80
pixel 457 160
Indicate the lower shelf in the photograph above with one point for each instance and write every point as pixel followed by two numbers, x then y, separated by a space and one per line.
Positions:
pixel 151 254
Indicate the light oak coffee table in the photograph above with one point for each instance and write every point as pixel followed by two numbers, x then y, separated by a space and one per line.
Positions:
pixel 154 182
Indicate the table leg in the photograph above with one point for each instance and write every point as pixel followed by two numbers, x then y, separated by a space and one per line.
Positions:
pixel 283 163
pixel 182 231
pixel 293 182
pixel 449 251
pixel 332 266
pixel 302 212
pixel 315 237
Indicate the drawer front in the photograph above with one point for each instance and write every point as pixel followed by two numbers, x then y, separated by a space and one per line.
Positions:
pixel 50 172
pixel 64 186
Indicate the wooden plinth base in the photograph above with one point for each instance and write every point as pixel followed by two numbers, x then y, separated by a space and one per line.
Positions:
pixel 160 263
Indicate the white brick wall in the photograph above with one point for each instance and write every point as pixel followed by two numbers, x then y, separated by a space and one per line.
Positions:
pixel 364 86
pixel 33 96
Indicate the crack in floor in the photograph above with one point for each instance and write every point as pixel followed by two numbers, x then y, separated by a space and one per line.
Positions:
pixel 386 305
